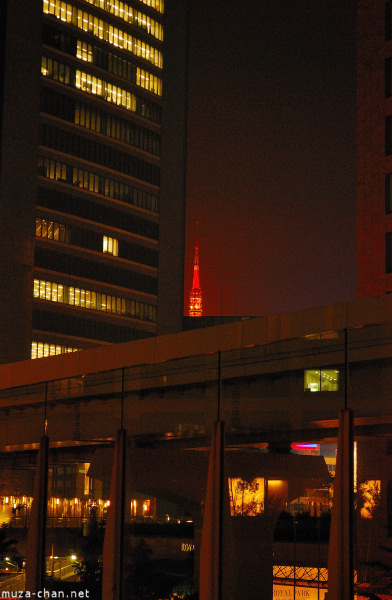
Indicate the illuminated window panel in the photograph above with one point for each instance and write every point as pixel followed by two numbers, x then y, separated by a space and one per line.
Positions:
pixel 370 497
pixel 43 349
pixel 148 81
pixel 97 86
pixel 63 294
pixel 50 230
pixel 95 183
pixel 110 245
pixel 130 15
pixel 121 7
pixel 249 498
pixel 146 508
pixel 84 51
pixel 246 497
pixel 101 29
pixel 321 380
pixel 133 508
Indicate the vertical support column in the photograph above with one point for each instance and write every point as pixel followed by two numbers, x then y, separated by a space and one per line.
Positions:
pixel 211 547
pixel 113 546
pixel 36 537
pixel 341 542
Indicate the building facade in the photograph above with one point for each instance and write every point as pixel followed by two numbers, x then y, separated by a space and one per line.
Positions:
pixel 374 148
pixel 92 171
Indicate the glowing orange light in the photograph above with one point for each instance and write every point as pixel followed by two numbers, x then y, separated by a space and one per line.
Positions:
pixel 146 507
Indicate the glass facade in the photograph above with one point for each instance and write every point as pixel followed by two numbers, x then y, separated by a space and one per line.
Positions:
pixel 99 171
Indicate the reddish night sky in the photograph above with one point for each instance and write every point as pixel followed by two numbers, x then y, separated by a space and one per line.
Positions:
pixel 271 154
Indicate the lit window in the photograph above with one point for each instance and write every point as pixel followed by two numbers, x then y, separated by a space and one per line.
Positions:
pixel 370 493
pixel 321 380
pixel 146 508
pixel 246 497
pixel 56 292
pixel 40 349
pixel 110 245
pixel 84 51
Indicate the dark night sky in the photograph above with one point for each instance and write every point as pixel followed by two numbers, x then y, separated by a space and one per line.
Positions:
pixel 271 154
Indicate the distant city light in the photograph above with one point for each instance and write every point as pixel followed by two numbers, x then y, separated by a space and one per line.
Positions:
pixel 304 446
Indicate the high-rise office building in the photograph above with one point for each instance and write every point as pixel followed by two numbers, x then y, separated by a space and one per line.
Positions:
pixel 374 147
pixel 92 172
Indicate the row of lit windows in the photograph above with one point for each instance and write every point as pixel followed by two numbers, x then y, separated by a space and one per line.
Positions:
pixel 42 349
pixel 50 230
pixel 58 232
pixel 130 15
pixel 101 121
pixel 92 85
pixel 108 91
pixel 119 129
pixel 105 186
pixel 68 13
pixel 66 294
pixel 133 45
pixel 121 8
pixel 118 66
pixel 115 215
pixel 114 93
pixel 95 151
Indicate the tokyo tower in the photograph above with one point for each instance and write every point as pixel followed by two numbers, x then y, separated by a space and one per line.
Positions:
pixel 195 300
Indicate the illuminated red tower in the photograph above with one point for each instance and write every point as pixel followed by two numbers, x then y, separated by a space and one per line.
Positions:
pixel 195 301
